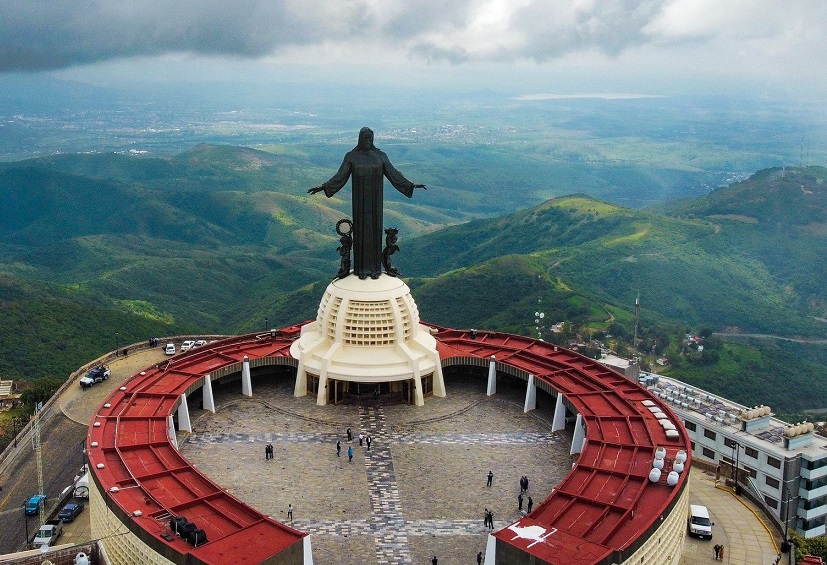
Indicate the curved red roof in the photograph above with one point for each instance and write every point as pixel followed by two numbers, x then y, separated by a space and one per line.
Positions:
pixel 600 512
pixel 142 470
pixel 604 508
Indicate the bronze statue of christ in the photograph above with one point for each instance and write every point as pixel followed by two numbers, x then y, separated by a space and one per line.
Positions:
pixel 367 167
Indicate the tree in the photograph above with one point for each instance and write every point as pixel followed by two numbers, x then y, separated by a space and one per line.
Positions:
pixel 40 390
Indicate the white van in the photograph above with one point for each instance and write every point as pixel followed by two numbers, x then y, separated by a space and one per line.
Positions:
pixel 170 349
pixel 699 523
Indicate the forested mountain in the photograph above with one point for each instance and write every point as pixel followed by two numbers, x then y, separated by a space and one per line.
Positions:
pixel 714 268
pixel 215 240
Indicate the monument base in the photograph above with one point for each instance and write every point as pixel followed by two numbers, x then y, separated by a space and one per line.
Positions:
pixel 367 332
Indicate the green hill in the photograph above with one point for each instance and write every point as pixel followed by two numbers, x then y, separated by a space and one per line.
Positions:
pixel 685 270
pixel 50 331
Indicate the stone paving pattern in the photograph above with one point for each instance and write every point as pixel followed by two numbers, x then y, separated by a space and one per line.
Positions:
pixel 418 492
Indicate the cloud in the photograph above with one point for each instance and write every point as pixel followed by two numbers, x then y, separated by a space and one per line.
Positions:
pixel 54 34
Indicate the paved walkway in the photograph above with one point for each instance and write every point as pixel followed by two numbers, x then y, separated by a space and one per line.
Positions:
pixel 420 489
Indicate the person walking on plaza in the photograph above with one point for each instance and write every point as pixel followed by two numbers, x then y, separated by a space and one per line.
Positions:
pixel 349 435
pixel 525 482
pixel 491 519
pixel 361 439
pixel 338 448
pixel 368 440
pixel 290 511
pixel 721 553
pixel 530 505
pixel 716 549
pixel 434 561
pixel 520 502
pixel 350 454
pixel 479 558
pixel 485 518
pixel 490 478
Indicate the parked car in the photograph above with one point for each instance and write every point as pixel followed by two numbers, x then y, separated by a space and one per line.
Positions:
pixel 187 345
pixel 699 523
pixel 35 503
pixel 170 349
pixel 48 533
pixel 200 342
pixel 70 511
pixel 95 375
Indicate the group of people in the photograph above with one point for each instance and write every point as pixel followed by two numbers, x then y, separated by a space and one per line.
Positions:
pixel 520 498
pixel 268 451
pixel 362 440
pixel 488 519
pixel 529 506
pixel 719 552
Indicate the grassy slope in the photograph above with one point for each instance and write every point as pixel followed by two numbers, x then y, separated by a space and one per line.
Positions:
pixel 685 270
pixel 47 331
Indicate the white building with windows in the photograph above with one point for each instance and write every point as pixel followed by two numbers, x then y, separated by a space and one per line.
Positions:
pixel 783 466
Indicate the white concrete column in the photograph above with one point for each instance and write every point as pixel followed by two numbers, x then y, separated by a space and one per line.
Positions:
pixel 419 396
pixel 439 382
pixel 559 420
pixel 308 552
pixel 321 395
pixel 173 437
pixel 579 439
pixel 246 381
pixel 492 377
pixel 184 414
pixel 530 395
pixel 301 380
pixel 206 394
pixel 491 550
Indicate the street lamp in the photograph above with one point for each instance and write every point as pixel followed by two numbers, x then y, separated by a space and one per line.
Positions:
pixel 26 521
pixel 736 453
pixel 14 421
pixel 117 343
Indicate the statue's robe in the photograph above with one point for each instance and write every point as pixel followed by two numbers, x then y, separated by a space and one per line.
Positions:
pixel 367 170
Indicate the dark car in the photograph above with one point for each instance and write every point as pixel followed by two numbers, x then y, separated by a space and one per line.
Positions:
pixel 70 511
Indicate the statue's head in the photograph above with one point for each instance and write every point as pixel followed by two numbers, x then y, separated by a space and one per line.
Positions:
pixel 366 139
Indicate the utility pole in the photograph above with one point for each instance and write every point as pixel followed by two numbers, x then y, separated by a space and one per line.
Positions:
pixel 637 319
pixel 39 455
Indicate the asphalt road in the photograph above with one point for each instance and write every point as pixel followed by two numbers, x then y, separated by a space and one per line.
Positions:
pixel 63 431
pixel 62 456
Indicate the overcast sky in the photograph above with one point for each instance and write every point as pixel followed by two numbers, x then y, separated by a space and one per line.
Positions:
pixel 538 46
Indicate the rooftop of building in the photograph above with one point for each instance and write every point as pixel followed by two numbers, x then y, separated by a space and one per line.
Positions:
pixel 726 415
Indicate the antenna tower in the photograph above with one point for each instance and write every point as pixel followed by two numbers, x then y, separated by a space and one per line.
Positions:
pixel 637 319
pixel 39 455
